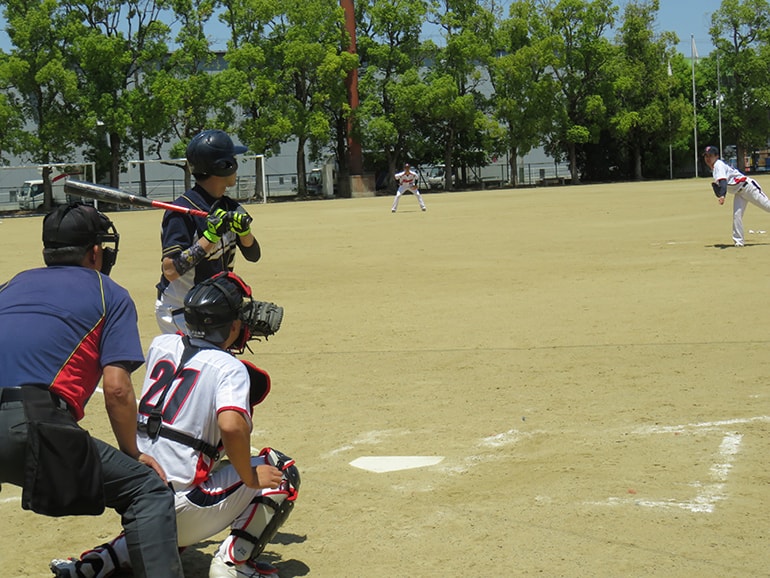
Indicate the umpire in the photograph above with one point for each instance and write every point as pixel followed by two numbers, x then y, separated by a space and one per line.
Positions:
pixel 64 327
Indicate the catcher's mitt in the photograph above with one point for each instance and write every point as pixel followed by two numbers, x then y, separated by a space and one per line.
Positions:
pixel 263 318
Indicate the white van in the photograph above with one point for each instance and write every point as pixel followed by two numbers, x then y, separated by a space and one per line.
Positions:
pixel 434 177
pixel 31 197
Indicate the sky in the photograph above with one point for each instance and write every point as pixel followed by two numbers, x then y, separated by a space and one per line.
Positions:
pixel 690 19
pixel 685 17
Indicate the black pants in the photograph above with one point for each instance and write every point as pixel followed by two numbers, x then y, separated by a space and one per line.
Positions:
pixel 145 503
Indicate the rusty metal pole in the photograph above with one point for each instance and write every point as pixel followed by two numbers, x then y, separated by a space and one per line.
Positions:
pixel 355 159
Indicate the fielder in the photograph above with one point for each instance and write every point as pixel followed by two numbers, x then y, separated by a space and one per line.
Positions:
pixel 197 402
pixel 407 181
pixel 730 180
pixel 196 248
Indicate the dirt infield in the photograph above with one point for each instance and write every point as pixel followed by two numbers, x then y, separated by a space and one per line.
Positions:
pixel 590 362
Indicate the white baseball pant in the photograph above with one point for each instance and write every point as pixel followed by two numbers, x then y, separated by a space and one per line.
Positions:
pixel 752 193
pixel 201 512
pixel 401 191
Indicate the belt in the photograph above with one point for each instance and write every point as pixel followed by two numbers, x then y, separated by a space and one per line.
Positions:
pixel 11 394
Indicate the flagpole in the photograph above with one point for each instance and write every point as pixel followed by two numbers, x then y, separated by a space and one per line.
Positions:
pixel 719 106
pixel 694 51
pixel 668 103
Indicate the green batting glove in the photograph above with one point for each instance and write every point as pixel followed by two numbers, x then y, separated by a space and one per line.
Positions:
pixel 240 223
pixel 216 225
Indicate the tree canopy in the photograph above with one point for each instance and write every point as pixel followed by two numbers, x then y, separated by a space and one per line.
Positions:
pixel 596 87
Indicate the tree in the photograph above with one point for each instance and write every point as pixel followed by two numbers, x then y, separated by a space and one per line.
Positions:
pixel 580 53
pixel 740 31
pixel 642 101
pixel 251 80
pixel 390 85
pixel 461 123
pixel 524 91
pixel 41 85
pixel 11 117
pixel 180 94
pixel 314 63
pixel 114 44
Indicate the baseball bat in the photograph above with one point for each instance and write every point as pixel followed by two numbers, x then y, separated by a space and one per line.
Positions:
pixel 119 197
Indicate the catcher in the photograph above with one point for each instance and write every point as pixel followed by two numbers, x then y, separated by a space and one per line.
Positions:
pixel 197 401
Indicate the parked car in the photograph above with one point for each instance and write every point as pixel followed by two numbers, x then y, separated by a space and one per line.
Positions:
pixel 434 177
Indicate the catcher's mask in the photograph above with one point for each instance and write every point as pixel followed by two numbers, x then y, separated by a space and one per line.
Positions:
pixel 211 307
pixel 80 225
pixel 212 152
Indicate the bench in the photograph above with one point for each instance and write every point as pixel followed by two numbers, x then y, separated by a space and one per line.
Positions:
pixel 550 181
pixel 491 182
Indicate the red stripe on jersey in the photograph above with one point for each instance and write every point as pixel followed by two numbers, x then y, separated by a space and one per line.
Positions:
pixel 80 374
pixel 203 470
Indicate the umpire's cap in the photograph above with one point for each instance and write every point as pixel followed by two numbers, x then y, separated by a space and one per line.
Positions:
pixel 711 150
pixel 77 225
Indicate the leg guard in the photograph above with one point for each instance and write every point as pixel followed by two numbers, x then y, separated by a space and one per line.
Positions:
pixel 101 562
pixel 271 508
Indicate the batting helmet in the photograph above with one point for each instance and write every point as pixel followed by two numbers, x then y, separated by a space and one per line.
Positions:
pixel 211 306
pixel 79 225
pixel 212 152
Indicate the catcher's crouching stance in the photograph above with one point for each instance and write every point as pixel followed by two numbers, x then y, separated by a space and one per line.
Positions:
pixel 197 401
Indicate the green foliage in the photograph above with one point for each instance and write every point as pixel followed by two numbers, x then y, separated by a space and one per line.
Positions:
pixel 740 31
pixel 106 80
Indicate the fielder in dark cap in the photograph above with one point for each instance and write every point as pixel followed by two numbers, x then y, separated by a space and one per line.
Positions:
pixel 727 179
pixel 63 328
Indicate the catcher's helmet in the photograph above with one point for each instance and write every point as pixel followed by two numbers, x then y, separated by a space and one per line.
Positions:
pixel 212 152
pixel 211 306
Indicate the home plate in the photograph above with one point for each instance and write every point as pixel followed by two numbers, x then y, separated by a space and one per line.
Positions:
pixel 381 464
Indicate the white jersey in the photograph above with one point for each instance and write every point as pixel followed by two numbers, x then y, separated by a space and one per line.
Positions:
pixel 212 381
pixel 407 181
pixel 735 178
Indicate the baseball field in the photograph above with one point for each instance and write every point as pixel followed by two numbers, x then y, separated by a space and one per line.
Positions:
pixel 580 373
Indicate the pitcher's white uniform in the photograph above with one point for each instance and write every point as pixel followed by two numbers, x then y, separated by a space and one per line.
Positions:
pixel 407 181
pixel 745 191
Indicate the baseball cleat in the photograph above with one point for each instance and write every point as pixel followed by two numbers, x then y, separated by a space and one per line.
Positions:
pixel 66 568
pixel 250 569
pixel 90 565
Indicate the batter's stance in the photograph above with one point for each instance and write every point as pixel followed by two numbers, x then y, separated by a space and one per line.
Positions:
pixel 407 181
pixel 196 248
pixel 730 180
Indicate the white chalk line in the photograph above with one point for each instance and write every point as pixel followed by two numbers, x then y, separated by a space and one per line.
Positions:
pixel 708 494
pixel 376 437
pixel 706 425
pixel 714 490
